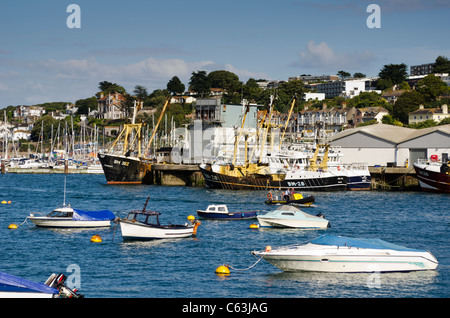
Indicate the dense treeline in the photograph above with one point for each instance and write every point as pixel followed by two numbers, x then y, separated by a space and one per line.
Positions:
pixel 431 92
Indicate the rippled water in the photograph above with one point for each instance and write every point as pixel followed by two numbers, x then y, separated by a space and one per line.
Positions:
pixel 186 267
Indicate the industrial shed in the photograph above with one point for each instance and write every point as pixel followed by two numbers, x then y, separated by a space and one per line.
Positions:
pixel 387 145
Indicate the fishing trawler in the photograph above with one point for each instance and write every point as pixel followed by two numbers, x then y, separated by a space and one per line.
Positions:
pixel 316 169
pixel 433 176
pixel 126 162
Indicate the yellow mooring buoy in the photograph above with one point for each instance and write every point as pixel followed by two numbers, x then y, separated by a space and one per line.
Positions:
pixel 222 270
pixel 96 239
pixel 254 226
pixel 4 202
pixel 12 226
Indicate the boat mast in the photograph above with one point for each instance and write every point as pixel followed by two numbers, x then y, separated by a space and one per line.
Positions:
pixel 263 142
pixel 240 133
pixel 287 121
pixel 157 124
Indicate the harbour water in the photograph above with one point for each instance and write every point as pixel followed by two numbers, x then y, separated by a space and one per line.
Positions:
pixel 185 268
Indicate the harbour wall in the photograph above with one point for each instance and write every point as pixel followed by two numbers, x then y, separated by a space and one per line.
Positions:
pixel 383 178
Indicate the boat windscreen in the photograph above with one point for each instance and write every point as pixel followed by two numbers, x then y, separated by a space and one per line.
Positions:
pixel 358 242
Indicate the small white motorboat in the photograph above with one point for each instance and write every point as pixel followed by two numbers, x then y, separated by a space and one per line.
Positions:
pixel 290 216
pixel 145 225
pixel 15 287
pixel 67 217
pixel 329 253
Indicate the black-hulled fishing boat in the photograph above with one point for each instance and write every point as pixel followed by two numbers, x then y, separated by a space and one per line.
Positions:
pixel 126 162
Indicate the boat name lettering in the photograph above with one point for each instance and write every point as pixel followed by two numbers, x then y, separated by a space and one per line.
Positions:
pixel 296 183
pixel 211 177
pixel 424 173
pixel 123 163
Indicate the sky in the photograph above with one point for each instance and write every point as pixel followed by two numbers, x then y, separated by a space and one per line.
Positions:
pixel 146 43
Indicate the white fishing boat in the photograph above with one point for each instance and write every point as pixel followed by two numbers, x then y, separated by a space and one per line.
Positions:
pixel 66 217
pixel 290 216
pixel 145 225
pixel 329 253
pixel 15 287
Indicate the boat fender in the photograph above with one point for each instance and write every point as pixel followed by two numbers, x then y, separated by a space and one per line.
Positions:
pixel 196 224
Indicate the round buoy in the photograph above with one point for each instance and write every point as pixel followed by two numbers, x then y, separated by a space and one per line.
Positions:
pixel 268 248
pixel 4 202
pixel 96 239
pixel 222 270
pixel 12 226
pixel 9 202
pixel 191 218
pixel 254 226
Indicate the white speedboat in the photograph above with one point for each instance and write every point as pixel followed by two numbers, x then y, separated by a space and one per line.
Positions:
pixel 66 217
pixel 290 216
pixel 145 225
pixel 15 287
pixel 329 253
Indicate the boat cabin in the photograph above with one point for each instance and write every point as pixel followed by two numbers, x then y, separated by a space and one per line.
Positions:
pixel 63 212
pixel 145 217
pixel 220 208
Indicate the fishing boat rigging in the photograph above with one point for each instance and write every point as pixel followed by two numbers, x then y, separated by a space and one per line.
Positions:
pixel 131 164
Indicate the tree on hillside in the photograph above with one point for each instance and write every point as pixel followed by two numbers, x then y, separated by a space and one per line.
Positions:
pixel 199 83
pixel 226 80
pixel 343 74
pixel 251 90
pixel 441 65
pixel 408 102
pixel 175 86
pixel 86 105
pixel 431 87
pixel 140 92
pixel 395 73
pixel 367 99
pixel 108 87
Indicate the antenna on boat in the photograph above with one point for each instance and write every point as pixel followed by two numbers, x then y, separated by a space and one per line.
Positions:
pixel 145 205
pixel 64 201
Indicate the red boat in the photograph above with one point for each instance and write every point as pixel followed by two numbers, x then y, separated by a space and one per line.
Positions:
pixel 433 176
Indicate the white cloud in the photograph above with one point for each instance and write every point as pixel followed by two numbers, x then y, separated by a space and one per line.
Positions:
pixel 322 57
pixel 73 79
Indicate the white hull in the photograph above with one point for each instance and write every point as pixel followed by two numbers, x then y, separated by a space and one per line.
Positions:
pixel 25 295
pixel 273 222
pixel 311 257
pixel 66 222
pixel 141 231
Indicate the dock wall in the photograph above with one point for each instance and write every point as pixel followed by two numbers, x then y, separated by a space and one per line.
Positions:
pixel 383 178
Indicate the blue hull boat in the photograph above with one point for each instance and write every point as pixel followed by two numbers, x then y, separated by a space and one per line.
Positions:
pixel 220 212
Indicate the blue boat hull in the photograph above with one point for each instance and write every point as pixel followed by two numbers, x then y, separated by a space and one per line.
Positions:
pixel 227 216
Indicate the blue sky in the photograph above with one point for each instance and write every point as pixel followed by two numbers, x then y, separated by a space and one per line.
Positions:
pixel 148 42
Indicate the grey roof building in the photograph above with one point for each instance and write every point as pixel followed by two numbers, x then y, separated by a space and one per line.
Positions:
pixel 381 144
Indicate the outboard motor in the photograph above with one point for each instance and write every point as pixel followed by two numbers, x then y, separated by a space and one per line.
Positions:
pixel 58 282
